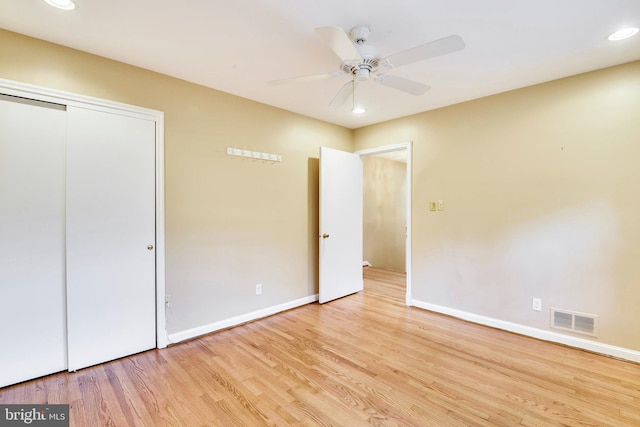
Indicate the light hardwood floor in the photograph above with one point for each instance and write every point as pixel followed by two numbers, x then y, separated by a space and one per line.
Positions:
pixel 361 360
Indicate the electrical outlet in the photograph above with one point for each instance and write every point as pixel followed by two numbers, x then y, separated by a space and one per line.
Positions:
pixel 440 205
pixel 537 304
pixel 258 288
pixel 167 301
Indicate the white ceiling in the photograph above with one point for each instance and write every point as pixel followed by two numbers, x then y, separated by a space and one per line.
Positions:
pixel 239 46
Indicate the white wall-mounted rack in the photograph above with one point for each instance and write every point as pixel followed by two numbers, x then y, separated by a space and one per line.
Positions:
pixel 255 155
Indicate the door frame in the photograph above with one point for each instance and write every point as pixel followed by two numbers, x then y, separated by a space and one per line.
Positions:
pixel 39 93
pixel 408 146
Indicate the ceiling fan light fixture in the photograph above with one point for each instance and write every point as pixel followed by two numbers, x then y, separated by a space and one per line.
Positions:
pixel 358 110
pixel 624 33
pixel 62 4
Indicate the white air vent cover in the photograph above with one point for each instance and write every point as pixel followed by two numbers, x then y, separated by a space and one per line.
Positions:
pixel 575 322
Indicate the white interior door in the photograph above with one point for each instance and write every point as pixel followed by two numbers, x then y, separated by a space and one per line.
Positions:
pixel 110 236
pixel 32 239
pixel 340 224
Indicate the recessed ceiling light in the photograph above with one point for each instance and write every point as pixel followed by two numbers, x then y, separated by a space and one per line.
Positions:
pixel 62 4
pixel 358 110
pixel 625 33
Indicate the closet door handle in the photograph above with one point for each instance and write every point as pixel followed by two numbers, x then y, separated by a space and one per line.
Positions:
pixel 150 247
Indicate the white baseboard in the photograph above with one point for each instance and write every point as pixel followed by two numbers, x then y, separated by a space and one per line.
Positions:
pixel 234 321
pixel 610 350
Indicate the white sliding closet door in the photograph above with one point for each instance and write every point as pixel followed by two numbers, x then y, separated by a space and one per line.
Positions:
pixel 110 236
pixel 32 238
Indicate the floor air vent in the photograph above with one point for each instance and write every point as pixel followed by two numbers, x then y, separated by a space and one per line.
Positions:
pixel 581 323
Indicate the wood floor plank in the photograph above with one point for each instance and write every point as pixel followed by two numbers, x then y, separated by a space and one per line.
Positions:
pixel 365 359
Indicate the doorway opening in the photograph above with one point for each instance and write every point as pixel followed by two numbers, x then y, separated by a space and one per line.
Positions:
pixel 387 214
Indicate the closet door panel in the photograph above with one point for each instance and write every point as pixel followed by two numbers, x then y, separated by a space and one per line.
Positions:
pixel 32 238
pixel 110 236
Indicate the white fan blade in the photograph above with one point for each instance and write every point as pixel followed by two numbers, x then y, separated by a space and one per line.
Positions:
pixel 400 83
pixel 428 50
pixel 340 43
pixel 343 94
pixel 306 78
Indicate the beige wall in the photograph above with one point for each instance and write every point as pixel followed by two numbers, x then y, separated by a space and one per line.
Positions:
pixel 384 212
pixel 230 223
pixel 542 199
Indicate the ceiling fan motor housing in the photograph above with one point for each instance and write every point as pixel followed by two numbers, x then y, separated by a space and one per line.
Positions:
pixel 370 63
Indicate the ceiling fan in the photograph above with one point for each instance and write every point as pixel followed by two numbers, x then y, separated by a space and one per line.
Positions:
pixel 361 61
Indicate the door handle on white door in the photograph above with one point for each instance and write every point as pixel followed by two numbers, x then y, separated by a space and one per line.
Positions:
pixel 325 236
pixel 150 247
